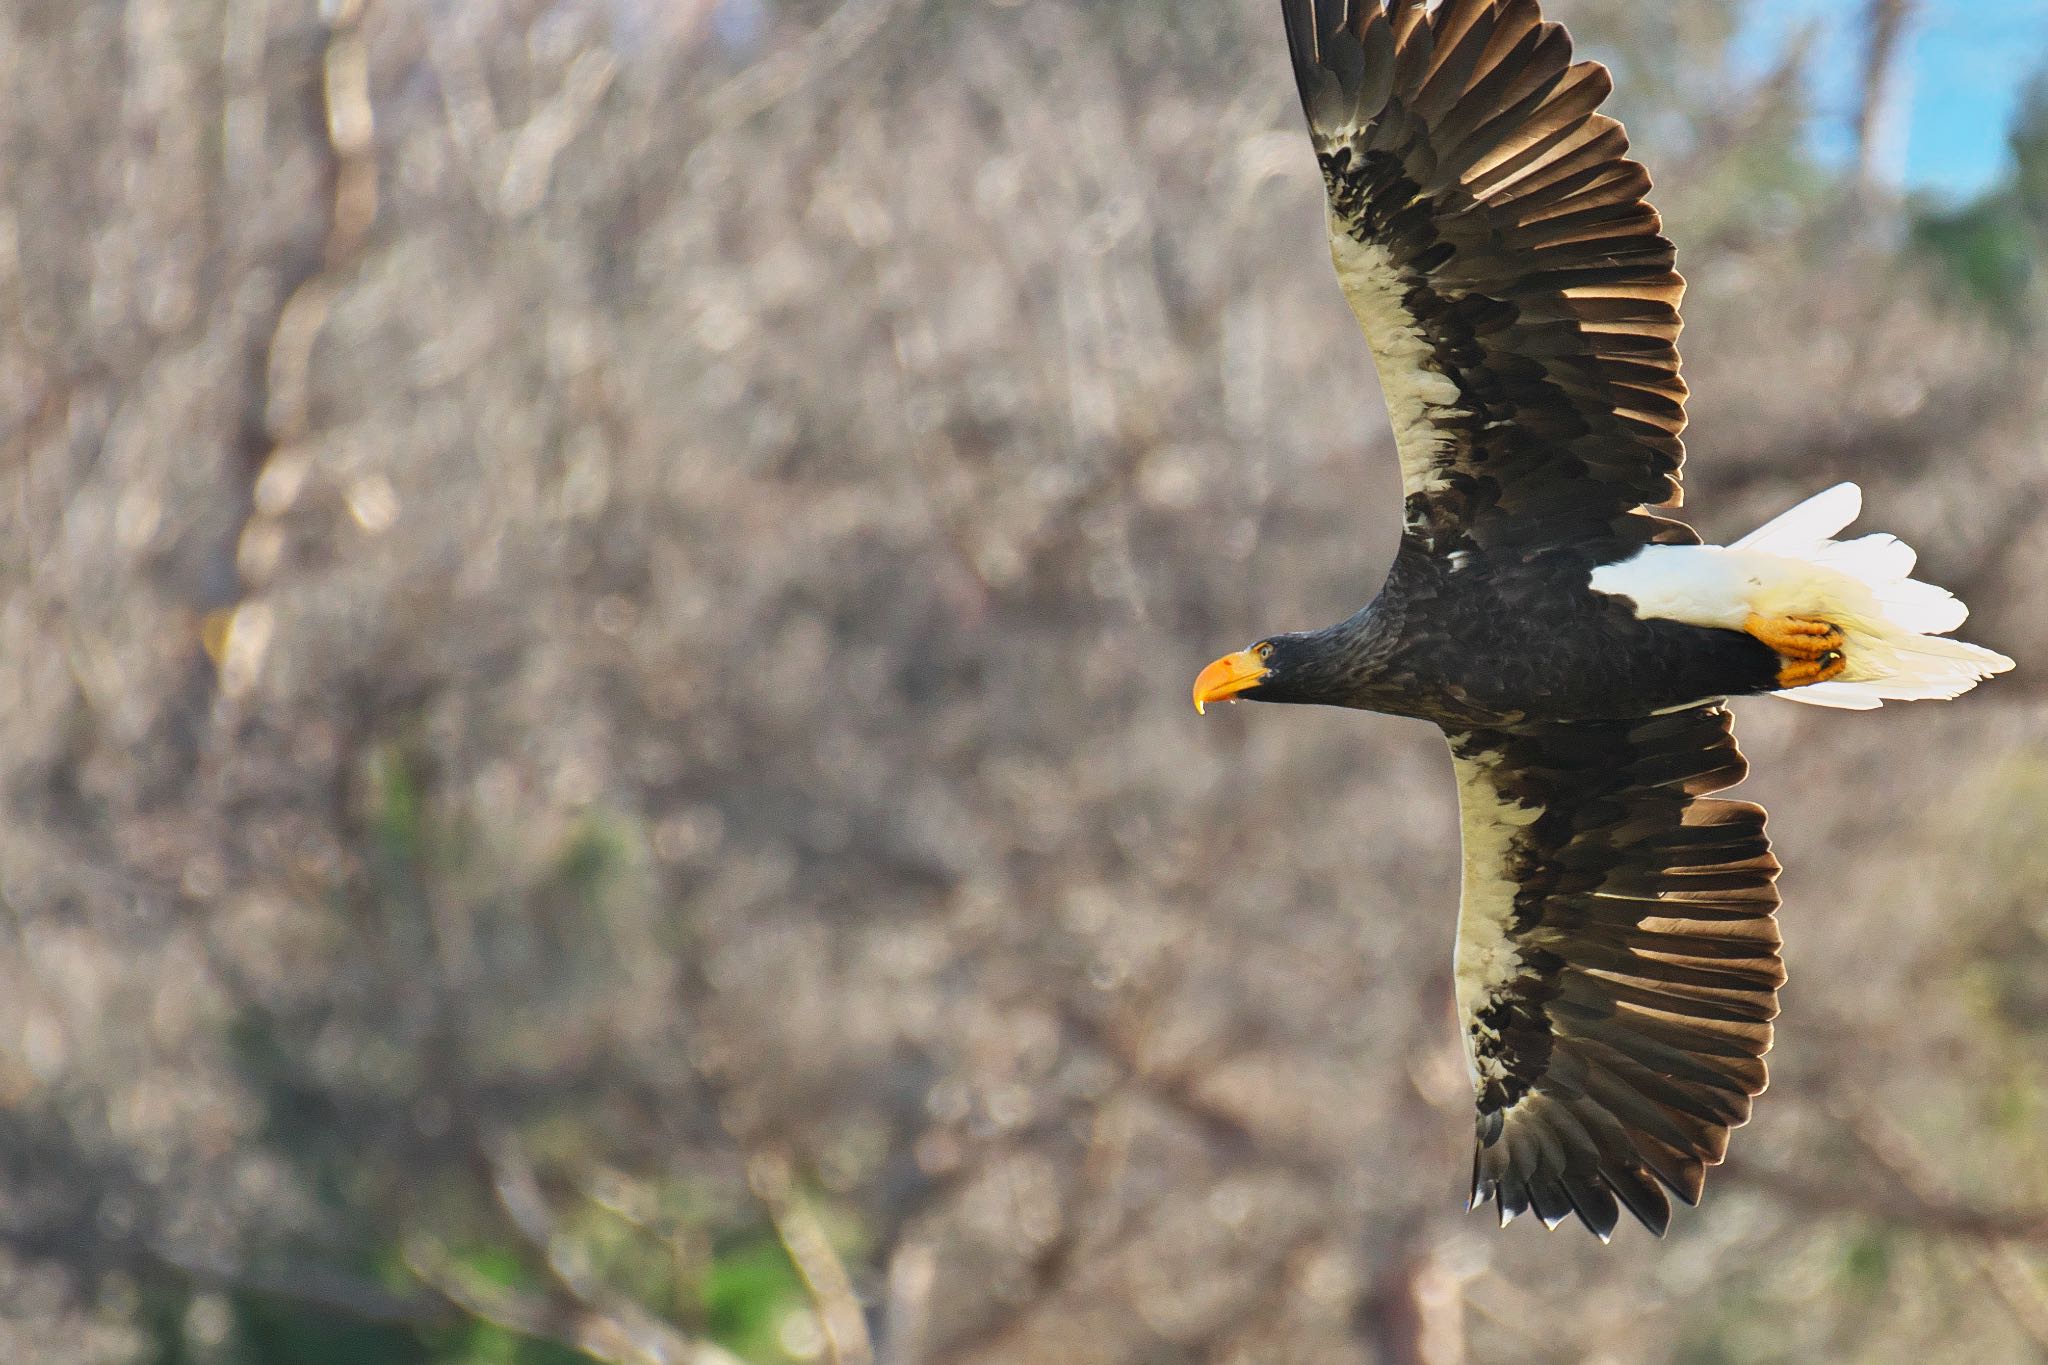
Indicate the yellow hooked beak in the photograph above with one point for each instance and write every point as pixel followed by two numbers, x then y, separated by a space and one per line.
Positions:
pixel 1228 676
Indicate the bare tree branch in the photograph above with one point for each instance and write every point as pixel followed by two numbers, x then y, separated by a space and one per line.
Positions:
pixel 1881 97
pixel 816 1260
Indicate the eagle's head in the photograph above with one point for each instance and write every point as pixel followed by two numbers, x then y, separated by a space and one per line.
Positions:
pixel 1290 667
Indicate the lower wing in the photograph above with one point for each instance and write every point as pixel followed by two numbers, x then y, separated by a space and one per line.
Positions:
pixel 1617 961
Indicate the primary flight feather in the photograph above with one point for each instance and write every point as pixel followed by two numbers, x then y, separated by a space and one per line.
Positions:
pixel 1617 960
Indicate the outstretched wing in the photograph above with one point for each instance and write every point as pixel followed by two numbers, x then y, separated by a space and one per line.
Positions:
pixel 1492 237
pixel 1617 961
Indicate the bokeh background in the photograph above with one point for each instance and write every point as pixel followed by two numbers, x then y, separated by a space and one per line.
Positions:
pixel 595 616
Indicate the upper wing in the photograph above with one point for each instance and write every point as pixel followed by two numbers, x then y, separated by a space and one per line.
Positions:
pixel 1617 961
pixel 1492 237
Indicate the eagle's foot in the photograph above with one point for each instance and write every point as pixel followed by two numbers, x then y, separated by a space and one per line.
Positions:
pixel 1811 650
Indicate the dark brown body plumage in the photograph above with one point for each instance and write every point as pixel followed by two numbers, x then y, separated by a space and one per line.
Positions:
pixel 1505 638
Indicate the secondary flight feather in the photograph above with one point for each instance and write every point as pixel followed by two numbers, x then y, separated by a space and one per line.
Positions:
pixel 1617 958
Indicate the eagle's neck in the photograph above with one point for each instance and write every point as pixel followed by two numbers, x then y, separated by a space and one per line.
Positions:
pixel 1356 660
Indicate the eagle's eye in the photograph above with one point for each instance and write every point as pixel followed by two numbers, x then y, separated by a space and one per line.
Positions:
pixel 1264 649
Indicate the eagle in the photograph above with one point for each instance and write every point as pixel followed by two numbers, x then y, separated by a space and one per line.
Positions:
pixel 1617 963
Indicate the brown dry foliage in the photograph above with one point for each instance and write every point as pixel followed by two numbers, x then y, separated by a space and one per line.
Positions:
pixel 599 619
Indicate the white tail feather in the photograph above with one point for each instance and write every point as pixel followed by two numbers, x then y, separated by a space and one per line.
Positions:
pixel 1893 621
pixel 1791 566
pixel 1841 696
pixel 1808 524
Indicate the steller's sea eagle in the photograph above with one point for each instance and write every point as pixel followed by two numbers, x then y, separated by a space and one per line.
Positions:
pixel 1617 961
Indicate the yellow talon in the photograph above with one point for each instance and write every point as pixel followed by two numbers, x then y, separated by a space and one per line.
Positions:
pixel 1811 650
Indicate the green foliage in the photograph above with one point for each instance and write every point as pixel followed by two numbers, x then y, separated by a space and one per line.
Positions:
pixel 1986 247
pixel 739 1287
pixel 639 1265
pixel 397 805
pixel 2015 1107
pixel 743 1297
pixel 596 855
pixel 1991 246
pixel 2029 143
pixel 270 1332
pixel 486 1344
pixel 1867 1259
pixel 747 1291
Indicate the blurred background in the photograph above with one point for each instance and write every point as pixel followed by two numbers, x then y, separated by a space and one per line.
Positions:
pixel 598 605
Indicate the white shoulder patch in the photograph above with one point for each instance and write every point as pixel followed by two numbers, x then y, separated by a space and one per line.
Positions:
pixel 1703 585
